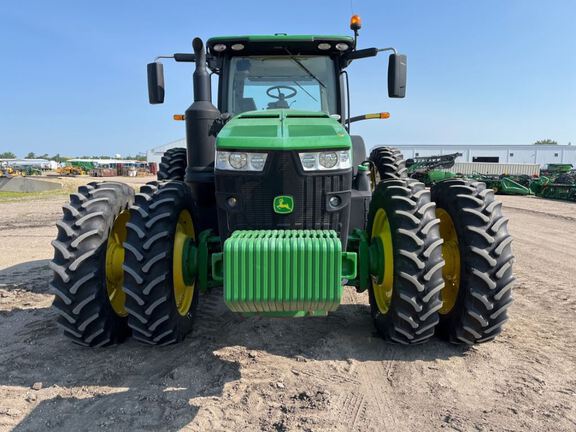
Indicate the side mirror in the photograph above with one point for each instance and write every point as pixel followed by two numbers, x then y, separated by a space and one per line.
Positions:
pixel 155 83
pixel 397 76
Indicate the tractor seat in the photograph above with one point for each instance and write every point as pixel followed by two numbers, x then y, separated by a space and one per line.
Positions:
pixel 280 104
pixel 245 104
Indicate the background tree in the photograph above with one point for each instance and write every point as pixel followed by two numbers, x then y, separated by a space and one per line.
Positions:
pixel 59 158
pixel 546 142
pixel 31 155
pixel 7 155
pixel 140 158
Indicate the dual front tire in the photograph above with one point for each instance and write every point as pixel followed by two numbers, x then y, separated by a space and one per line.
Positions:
pixel 406 261
pixel 160 299
pixel 478 253
pixel 118 264
pixel 173 165
pixel 440 261
pixel 87 264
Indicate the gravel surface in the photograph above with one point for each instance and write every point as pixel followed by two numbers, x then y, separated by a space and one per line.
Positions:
pixel 310 374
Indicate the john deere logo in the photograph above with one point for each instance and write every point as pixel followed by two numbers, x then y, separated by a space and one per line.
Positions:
pixel 283 204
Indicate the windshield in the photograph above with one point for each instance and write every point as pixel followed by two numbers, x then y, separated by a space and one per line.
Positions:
pixel 272 82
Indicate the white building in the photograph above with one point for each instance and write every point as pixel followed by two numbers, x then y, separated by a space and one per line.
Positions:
pixel 509 154
pixel 43 164
pixel 155 154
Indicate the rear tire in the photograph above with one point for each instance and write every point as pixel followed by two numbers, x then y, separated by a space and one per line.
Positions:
pixel 80 265
pixel 157 315
pixel 389 163
pixel 485 259
pixel 407 310
pixel 173 164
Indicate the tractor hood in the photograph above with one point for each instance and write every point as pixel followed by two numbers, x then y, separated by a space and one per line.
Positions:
pixel 283 130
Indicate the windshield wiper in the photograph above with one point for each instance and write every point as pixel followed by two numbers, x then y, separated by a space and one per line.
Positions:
pixel 299 63
pixel 307 92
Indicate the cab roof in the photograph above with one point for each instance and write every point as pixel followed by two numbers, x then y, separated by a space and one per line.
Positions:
pixel 279 43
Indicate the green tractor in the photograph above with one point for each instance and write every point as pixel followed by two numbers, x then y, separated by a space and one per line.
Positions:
pixel 273 200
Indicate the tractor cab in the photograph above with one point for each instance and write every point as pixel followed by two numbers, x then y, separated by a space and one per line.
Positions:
pixel 279 72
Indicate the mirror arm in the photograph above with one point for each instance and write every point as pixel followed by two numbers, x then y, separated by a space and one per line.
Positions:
pixel 190 58
pixel 363 53
pixel 179 57
pixel 388 49
pixel 157 59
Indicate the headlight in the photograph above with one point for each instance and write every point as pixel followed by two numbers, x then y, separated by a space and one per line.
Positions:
pixel 240 161
pixel 328 160
pixel 258 160
pixel 308 160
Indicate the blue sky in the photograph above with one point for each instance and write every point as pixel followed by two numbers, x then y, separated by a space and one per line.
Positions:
pixel 73 73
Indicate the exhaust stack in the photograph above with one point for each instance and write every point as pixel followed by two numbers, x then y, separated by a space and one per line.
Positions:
pixel 200 142
pixel 202 84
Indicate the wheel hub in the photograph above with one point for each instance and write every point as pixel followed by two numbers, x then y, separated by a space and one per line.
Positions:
pixel 451 255
pixel 184 279
pixel 114 260
pixel 382 261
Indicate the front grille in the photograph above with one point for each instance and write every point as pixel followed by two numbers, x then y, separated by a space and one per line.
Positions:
pixel 283 175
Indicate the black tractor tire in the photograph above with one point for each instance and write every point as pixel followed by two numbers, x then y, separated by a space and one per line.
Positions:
pixel 417 262
pixel 153 313
pixel 486 278
pixel 389 163
pixel 79 264
pixel 173 164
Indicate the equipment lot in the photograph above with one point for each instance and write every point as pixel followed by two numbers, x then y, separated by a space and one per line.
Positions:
pixel 316 374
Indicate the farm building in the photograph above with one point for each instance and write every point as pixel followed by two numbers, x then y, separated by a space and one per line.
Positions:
pixel 503 154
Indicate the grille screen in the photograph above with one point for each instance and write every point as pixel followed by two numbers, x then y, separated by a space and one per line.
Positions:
pixel 256 192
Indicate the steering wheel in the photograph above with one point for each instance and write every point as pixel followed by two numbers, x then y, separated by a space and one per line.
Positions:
pixel 281 96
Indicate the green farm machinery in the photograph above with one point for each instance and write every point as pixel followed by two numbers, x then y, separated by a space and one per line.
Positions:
pixel 272 201
pixel 557 182
pixel 504 184
pixel 432 169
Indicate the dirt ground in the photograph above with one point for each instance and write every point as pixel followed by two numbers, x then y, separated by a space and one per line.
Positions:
pixel 310 374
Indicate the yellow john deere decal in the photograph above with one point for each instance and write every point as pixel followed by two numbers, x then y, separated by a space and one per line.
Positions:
pixel 283 204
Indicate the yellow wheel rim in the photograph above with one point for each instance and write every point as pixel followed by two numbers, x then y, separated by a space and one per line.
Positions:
pixel 183 294
pixel 114 261
pixel 383 289
pixel 451 255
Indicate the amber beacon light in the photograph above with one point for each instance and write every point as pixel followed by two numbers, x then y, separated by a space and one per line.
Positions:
pixel 355 23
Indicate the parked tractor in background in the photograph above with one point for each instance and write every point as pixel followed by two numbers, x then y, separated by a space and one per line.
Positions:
pixel 7 171
pixel 70 170
pixel 272 200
